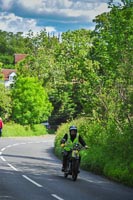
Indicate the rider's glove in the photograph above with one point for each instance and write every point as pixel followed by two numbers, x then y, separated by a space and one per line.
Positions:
pixel 86 147
pixel 62 145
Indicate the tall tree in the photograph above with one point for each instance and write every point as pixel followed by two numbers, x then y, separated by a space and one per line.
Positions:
pixel 30 102
pixel 72 67
pixel 5 102
pixel 10 44
pixel 113 50
pixel 66 70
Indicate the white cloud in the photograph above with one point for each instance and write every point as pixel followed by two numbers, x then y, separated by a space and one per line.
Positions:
pixel 31 4
pixel 22 15
pixel 69 8
pixel 12 23
pixel 45 4
pixel 6 4
pixel 85 13
pixel 66 8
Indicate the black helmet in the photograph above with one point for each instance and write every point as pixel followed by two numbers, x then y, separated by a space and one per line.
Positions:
pixel 73 128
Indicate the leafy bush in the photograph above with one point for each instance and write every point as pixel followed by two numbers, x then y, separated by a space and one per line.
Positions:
pixel 16 130
pixel 119 170
pixel 110 151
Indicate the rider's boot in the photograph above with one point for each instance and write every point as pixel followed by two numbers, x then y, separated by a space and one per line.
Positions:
pixel 64 166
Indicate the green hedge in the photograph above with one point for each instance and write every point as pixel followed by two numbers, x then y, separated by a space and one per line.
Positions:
pixel 110 153
pixel 16 130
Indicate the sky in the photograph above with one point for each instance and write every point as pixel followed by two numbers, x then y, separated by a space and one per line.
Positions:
pixel 56 16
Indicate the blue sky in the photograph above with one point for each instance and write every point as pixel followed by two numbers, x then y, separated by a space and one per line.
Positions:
pixel 54 15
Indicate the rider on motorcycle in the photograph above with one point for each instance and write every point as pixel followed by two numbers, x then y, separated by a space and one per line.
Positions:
pixel 68 141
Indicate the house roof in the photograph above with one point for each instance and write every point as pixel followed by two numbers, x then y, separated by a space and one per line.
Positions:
pixel 6 73
pixel 19 57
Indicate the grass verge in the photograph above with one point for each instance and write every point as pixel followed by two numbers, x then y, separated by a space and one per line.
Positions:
pixel 16 130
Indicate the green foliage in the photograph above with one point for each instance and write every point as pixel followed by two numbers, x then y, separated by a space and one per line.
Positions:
pixel 110 152
pixel 63 70
pixel 87 73
pixel 17 130
pixel 10 44
pixel 5 102
pixel 62 129
pixel 119 171
pixel 82 74
pixel 30 102
pixel 70 81
pixel 113 50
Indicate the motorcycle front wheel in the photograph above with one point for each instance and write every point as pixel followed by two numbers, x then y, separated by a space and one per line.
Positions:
pixel 65 174
pixel 75 169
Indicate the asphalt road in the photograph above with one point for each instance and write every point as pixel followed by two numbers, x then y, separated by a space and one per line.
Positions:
pixel 30 171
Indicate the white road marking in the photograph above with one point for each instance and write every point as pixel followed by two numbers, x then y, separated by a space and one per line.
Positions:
pixel 3 149
pixel 2 158
pixel 35 183
pixel 15 144
pixel 24 176
pixel 8 146
pixel 12 167
pixel 57 197
pixel 93 181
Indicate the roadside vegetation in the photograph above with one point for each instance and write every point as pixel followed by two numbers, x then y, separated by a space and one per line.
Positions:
pixel 108 152
pixel 82 78
pixel 17 130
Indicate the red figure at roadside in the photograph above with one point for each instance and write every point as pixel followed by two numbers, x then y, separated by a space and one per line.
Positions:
pixel 1 126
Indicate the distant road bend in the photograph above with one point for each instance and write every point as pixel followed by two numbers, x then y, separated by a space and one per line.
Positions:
pixel 29 170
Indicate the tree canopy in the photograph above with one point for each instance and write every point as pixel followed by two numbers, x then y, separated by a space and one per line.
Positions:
pixel 5 102
pixel 84 73
pixel 30 102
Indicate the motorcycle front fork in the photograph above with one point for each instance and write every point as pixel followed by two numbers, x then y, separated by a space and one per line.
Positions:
pixel 70 163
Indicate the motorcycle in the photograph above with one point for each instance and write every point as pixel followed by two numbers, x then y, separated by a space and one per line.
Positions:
pixel 73 162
